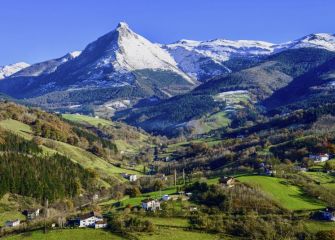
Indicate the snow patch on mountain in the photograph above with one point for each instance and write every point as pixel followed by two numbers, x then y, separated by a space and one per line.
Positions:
pixel 9 70
pixel 46 67
pixel 193 57
pixel 221 49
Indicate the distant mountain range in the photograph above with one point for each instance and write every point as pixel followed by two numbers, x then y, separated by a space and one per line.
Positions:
pixel 123 69
pixel 9 70
pixel 204 59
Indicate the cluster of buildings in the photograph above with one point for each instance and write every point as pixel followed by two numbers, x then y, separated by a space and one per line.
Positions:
pixel 151 204
pixel 30 214
pixel 88 220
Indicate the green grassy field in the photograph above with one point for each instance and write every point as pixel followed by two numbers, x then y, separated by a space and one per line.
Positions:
pixel 67 234
pixel 324 179
pixel 215 121
pixel 131 146
pixel 288 196
pixel 177 234
pixel 321 177
pixel 87 120
pixel 169 221
pixel 315 226
pixel 17 127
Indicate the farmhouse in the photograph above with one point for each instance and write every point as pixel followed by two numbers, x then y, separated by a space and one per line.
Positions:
pixel 319 157
pixel 13 223
pixel 31 213
pixel 88 220
pixel 130 177
pixel 151 204
pixel 227 181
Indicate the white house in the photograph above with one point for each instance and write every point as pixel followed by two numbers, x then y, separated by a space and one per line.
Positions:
pixel 151 204
pixel 319 157
pixel 31 213
pixel 132 177
pixel 166 198
pixel 89 219
pixel 13 223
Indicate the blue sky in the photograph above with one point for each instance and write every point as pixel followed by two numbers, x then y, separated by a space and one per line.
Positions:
pixel 37 30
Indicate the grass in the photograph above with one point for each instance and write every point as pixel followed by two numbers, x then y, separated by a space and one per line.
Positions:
pixel 177 234
pixel 169 221
pixel 88 160
pixel 19 128
pixel 288 196
pixel 131 146
pixel 324 179
pixel 321 177
pixel 10 206
pixel 67 234
pixel 212 181
pixel 87 120
pixel 316 226
pixel 215 121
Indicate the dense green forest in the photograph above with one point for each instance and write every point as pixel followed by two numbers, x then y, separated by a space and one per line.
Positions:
pixel 26 171
pixel 42 177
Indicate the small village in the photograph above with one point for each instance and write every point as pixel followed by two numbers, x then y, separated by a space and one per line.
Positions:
pixel 97 220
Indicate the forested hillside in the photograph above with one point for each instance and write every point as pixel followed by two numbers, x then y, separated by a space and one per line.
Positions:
pixel 45 156
pixel 280 79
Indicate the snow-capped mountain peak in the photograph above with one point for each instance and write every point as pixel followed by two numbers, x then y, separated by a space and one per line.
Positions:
pixel 316 40
pixel 126 51
pixel 8 70
pixel 123 25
